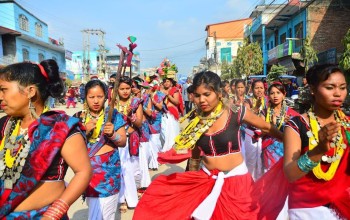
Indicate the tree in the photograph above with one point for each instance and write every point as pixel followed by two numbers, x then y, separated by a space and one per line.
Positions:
pixel 344 62
pixel 275 72
pixel 308 54
pixel 228 70
pixel 249 59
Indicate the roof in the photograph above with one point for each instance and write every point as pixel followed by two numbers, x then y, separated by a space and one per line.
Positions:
pixel 228 29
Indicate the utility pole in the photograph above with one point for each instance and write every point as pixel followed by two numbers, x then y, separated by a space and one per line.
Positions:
pixel 101 65
pixel 215 53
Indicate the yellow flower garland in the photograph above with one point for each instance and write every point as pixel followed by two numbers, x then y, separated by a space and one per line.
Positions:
pixel 196 128
pixel 97 129
pixel 313 142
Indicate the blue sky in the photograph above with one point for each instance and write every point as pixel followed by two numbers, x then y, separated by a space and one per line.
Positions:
pixel 173 29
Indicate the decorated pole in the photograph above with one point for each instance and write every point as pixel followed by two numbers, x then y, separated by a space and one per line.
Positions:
pixel 116 84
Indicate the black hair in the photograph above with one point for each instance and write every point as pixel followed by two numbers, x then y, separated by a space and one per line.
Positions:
pixel 319 73
pixel 27 73
pixel 233 82
pixel 209 79
pixel 224 83
pixel 239 81
pixel 96 82
pixel 171 80
pixel 278 86
pixel 190 89
pixel 126 80
pixel 113 75
pixel 255 82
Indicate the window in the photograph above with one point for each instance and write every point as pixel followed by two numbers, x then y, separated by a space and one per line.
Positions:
pixel 25 54
pixel 23 23
pixel 271 43
pixel 218 44
pixel 41 57
pixel 239 44
pixel 268 46
pixel 229 43
pixel 299 33
pixel 283 38
pixel 38 30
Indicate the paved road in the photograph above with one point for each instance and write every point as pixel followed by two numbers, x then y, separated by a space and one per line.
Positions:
pixel 78 211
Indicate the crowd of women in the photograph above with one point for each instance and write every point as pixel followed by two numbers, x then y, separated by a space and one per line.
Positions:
pixel 249 157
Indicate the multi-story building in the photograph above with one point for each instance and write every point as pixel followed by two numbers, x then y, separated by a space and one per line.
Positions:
pixel 281 30
pixel 24 37
pixel 223 40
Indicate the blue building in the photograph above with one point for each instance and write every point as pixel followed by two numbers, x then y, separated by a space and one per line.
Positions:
pixel 282 28
pixel 24 37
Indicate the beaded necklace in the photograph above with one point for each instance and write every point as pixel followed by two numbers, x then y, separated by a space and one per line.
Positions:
pixel 279 118
pixel 262 104
pixel 198 126
pixel 95 134
pixel 338 147
pixel 14 150
pixel 123 108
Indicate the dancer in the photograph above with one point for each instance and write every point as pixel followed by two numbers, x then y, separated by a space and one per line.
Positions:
pixel 170 125
pixel 104 139
pixel 221 189
pixel 316 160
pixel 251 137
pixel 38 145
pixel 131 109
pixel 277 114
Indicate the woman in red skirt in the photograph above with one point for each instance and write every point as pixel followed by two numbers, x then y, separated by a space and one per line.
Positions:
pixel 221 189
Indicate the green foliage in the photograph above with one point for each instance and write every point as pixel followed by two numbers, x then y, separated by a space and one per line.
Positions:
pixel 228 70
pixel 308 53
pixel 249 59
pixel 275 72
pixel 344 62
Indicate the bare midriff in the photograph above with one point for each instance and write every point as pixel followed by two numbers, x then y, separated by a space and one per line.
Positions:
pixel 43 194
pixel 223 163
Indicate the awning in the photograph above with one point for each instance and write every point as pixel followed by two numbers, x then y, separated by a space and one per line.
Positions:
pixel 4 30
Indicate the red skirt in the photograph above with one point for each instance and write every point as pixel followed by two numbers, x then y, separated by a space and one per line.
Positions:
pixel 176 197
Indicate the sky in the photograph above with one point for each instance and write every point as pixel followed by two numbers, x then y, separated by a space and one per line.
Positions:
pixel 164 29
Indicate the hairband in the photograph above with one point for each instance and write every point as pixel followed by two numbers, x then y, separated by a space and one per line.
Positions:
pixel 277 83
pixel 43 72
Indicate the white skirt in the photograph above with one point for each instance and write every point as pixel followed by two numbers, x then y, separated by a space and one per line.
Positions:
pixel 102 208
pixel 320 212
pixel 155 147
pixel 253 154
pixel 128 189
pixel 170 129
pixel 143 161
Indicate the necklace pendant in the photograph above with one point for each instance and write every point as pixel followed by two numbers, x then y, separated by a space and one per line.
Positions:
pixel 332 144
pixel 8 184
pixel 324 158
pixel 344 146
pixel 313 142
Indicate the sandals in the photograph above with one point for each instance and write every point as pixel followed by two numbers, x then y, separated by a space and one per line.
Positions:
pixel 123 207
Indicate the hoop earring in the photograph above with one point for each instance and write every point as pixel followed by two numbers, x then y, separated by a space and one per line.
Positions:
pixel 32 110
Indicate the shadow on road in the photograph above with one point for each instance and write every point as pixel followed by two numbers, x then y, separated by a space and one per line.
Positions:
pixel 80 215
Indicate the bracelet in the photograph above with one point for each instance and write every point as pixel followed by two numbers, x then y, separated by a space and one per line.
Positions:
pixel 133 118
pixel 193 164
pixel 114 137
pixel 57 210
pixel 306 164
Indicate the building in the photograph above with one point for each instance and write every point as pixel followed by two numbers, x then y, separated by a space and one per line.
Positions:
pixel 282 28
pixel 223 40
pixel 24 37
